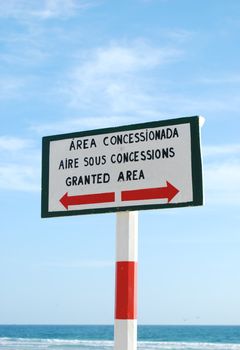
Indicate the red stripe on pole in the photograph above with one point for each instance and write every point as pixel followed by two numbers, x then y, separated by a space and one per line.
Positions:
pixel 126 290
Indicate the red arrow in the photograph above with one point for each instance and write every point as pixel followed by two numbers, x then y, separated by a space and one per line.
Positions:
pixel 67 200
pixel 168 192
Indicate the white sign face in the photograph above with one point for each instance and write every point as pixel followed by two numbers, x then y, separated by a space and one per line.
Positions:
pixel 134 167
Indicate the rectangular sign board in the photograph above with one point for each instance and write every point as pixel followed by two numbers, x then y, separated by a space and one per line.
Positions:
pixel 135 167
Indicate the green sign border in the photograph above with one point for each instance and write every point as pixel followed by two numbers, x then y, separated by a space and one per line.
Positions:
pixel 196 167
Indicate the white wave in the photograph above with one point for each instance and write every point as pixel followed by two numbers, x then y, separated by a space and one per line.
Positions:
pixel 186 346
pixel 34 344
pixel 26 343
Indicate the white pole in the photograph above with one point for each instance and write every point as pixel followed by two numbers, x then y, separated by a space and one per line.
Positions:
pixel 125 327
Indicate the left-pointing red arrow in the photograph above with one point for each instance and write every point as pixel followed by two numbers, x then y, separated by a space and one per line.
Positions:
pixel 106 197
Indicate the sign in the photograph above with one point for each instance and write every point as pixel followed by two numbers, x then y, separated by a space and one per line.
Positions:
pixel 133 167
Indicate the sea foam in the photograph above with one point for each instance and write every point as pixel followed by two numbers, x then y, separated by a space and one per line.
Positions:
pixel 63 344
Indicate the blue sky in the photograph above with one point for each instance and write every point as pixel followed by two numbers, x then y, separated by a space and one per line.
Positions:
pixel 72 65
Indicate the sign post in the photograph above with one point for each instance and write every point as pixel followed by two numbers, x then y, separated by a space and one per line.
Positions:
pixel 125 169
pixel 125 327
pixel 136 167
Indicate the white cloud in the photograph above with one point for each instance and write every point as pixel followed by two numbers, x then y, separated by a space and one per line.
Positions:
pixel 19 177
pixel 222 172
pixel 153 1
pixel 19 164
pixel 119 59
pixel 10 87
pixel 127 79
pixel 81 124
pixel 39 9
pixel 222 79
pixel 221 150
pixel 222 183
pixel 26 55
pixel 179 35
pixel 111 85
pixel 117 79
pixel 178 104
pixel 9 143
pixel 62 8
pixel 80 264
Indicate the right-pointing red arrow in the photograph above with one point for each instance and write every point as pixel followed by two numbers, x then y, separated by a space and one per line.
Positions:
pixel 168 192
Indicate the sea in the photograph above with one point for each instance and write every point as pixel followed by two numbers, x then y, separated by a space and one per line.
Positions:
pixel 85 337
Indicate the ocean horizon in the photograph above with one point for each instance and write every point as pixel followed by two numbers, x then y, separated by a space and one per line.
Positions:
pixel 100 337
